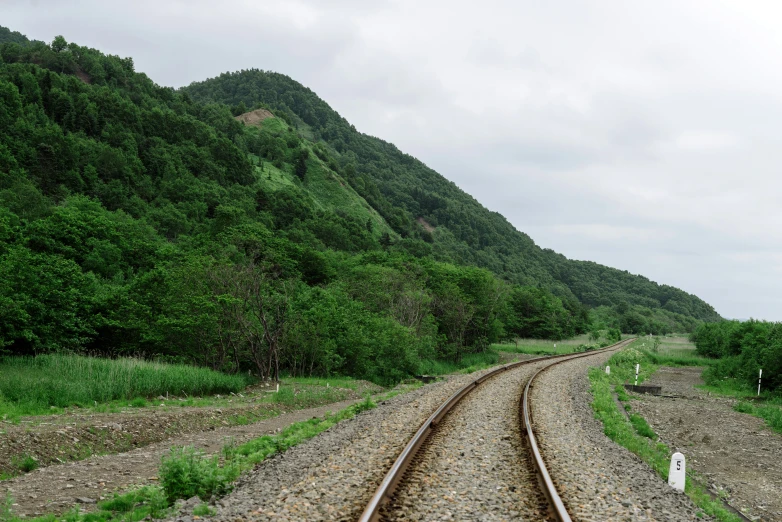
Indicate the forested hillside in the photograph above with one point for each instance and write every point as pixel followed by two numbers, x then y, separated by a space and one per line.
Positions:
pixel 135 219
pixel 407 193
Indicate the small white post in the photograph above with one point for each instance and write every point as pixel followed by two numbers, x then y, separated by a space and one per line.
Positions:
pixel 676 476
pixel 555 345
pixel 759 376
pixel 637 367
pixel 608 370
pixel 278 387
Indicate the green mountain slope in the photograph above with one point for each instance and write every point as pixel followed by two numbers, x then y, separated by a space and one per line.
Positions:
pixel 135 220
pixel 465 231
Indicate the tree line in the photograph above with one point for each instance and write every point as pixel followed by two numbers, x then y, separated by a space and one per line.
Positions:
pixel 743 349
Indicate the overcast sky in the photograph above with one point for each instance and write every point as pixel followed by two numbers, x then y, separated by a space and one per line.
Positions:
pixel 642 135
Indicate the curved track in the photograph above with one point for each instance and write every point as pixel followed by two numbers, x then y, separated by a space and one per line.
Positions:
pixel 448 461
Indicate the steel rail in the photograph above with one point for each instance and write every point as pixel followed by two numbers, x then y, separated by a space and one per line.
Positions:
pixel 390 482
pixel 548 488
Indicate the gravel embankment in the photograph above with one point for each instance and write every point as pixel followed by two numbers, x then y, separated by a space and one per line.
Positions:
pixel 597 479
pixel 474 467
pixel 333 476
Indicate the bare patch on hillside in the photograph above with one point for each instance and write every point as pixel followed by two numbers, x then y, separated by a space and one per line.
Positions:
pixel 425 224
pixel 83 76
pixel 254 117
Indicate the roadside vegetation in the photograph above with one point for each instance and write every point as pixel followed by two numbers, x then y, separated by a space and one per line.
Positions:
pixel 185 472
pixel 736 352
pixel 740 350
pixel 634 433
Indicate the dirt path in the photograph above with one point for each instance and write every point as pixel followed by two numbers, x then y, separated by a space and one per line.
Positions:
pixel 58 488
pixel 735 453
pixel 80 433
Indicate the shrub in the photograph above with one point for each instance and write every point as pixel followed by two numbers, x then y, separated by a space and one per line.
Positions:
pixel 186 473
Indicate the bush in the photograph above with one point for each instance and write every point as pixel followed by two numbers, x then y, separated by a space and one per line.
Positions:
pixel 186 473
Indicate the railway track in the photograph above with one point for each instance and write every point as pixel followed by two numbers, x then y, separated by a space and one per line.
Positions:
pixel 481 457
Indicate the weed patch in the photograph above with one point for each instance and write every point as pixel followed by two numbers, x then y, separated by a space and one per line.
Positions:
pixel 186 473
pixel 771 413
pixel 27 463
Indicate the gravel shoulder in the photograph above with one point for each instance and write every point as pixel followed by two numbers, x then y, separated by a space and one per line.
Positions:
pixel 597 479
pixel 733 452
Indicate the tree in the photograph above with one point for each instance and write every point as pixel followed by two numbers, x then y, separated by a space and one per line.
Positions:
pixel 59 44
pixel 301 164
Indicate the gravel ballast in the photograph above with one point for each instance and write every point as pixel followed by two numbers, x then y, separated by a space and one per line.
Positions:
pixel 333 476
pixel 475 465
pixel 596 478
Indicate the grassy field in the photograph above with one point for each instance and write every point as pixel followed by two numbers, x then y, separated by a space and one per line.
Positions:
pixel 469 363
pixel 675 350
pixel 543 346
pixel 36 385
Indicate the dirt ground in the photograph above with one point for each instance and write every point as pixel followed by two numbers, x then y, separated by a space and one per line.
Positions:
pixel 56 489
pixel 734 454
pixel 81 433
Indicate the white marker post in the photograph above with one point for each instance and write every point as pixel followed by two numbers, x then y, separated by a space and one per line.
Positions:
pixel 759 376
pixel 676 476
pixel 608 370
pixel 637 367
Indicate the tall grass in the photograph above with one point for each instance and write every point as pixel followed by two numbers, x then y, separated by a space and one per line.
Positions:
pixel 34 384
pixel 543 346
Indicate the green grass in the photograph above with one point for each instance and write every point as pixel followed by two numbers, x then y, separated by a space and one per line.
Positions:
pixel 635 434
pixel 26 463
pixel 672 351
pixel 642 427
pixel 544 346
pixel 204 510
pixel 308 397
pixel 332 382
pixel 42 384
pixel 470 362
pixel 771 413
pixel 148 502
